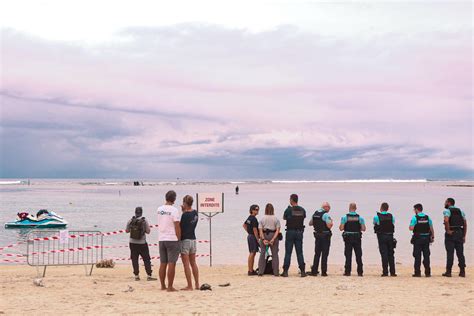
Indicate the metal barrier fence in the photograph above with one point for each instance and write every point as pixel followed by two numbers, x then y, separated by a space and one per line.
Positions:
pixel 62 248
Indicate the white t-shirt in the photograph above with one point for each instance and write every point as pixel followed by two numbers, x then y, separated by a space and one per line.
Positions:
pixel 167 216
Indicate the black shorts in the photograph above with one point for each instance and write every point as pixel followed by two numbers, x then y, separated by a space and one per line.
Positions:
pixel 253 243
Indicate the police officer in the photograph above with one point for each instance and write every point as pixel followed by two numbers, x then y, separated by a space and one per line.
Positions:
pixel 352 225
pixel 322 223
pixel 423 235
pixel 384 227
pixel 294 216
pixel 455 225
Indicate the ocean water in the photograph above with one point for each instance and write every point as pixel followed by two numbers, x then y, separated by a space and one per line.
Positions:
pixel 107 205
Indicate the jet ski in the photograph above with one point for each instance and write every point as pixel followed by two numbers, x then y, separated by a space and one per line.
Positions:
pixel 42 219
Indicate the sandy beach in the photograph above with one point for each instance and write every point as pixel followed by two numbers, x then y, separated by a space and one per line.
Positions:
pixel 68 290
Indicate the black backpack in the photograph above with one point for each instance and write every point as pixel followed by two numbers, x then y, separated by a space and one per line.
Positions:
pixel 268 265
pixel 137 227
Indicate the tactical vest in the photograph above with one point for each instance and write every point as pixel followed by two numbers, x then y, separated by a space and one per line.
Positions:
pixel 352 225
pixel 296 220
pixel 456 220
pixel 386 224
pixel 422 225
pixel 318 223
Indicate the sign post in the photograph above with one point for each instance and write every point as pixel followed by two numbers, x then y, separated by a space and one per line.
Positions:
pixel 210 204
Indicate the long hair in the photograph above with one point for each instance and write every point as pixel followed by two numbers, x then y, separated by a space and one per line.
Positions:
pixel 269 210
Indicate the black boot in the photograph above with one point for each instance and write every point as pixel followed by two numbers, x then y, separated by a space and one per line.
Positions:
pixel 447 274
pixel 428 273
pixel 284 274
pixel 462 273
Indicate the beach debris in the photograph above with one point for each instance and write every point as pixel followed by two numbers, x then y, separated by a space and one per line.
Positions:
pixel 129 289
pixel 38 282
pixel 106 263
pixel 224 285
pixel 446 294
pixel 341 287
pixel 110 294
pixel 205 287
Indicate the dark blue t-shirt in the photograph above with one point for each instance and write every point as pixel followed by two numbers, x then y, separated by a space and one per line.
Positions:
pixel 252 223
pixel 188 225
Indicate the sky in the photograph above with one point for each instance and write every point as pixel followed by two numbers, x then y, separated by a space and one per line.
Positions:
pixel 236 89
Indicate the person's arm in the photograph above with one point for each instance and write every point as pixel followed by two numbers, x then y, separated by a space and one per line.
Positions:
pixel 447 228
pixel 465 230
pixel 177 228
pixel 329 222
pixel 127 228
pixel 412 224
pixel 275 236
pixel 255 232
pixel 147 227
pixel 341 226
pixel 311 222
pixel 362 224
pixel 432 233
pixel 245 226
pixel 260 230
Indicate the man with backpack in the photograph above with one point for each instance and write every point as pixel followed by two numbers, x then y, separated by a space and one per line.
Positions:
pixel 138 227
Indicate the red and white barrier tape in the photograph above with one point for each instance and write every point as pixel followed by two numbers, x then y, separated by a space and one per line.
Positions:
pixel 117 232
pixel 10 260
pixel 11 255
pixel 12 245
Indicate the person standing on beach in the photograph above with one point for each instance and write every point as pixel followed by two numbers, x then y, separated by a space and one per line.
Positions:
pixel 138 227
pixel 455 224
pixel 169 234
pixel 294 216
pixel 384 227
pixel 352 225
pixel 189 220
pixel 322 223
pixel 269 229
pixel 423 235
pixel 251 227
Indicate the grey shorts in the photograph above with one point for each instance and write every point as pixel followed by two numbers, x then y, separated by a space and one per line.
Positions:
pixel 169 251
pixel 188 246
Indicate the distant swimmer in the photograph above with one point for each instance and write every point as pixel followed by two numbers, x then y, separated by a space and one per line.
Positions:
pixel 384 227
pixel 423 235
pixel 237 190
pixel 322 223
pixel 455 225
pixel 352 225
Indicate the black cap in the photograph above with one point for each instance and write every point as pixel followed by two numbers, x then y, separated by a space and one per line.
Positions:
pixel 138 211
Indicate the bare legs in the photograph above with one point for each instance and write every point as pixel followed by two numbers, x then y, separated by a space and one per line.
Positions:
pixel 189 263
pixel 251 261
pixel 171 267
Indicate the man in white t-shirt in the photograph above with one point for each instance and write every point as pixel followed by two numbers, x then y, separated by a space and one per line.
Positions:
pixel 169 235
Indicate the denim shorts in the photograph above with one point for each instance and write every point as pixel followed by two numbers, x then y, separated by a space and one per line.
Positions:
pixel 188 246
